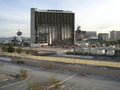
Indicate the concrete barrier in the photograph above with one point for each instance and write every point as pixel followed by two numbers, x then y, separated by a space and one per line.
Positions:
pixel 69 60
pixel 5 59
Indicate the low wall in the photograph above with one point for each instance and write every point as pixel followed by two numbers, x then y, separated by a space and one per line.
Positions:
pixel 69 60
pixel 75 69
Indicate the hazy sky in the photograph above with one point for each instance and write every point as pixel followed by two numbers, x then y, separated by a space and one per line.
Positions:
pixel 92 15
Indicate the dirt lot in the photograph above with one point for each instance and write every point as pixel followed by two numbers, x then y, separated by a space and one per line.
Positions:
pixel 4 77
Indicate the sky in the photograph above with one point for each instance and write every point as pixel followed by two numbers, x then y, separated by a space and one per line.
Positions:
pixel 102 16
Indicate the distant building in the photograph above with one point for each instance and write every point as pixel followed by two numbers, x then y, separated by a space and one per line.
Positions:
pixel 88 34
pixel 103 36
pixel 84 35
pixel 93 39
pixel 78 33
pixel 91 34
pixel 114 35
pixel 54 27
pixel 14 40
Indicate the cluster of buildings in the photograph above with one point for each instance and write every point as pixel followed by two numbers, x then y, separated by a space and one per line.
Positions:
pixel 92 35
pixel 82 35
pixel 114 36
pixel 57 27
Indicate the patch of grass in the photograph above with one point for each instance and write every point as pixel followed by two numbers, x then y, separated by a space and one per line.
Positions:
pixel 20 62
pixel 49 65
pixel 54 81
pixel 1 64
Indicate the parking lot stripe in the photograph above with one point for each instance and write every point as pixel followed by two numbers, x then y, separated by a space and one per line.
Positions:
pixel 74 86
pixel 68 78
pixel 68 84
pixel 84 87
pixel 94 88
pixel 116 79
pixel 108 78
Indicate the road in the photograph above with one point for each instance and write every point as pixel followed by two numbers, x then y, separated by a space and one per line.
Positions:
pixel 71 80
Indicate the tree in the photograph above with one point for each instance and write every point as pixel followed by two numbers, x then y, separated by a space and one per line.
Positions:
pixel 27 51
pixel 101 43
pixel 19 50
pixel 33 52
pixel 107 43
pixel 115 42
pixel 118 41
pixel 4 49
pixel 112 42
pixel 11 49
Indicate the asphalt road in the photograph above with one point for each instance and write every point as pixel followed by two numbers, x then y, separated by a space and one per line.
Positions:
pixel 71 80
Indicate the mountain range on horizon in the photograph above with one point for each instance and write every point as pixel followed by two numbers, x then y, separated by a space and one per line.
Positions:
pixel 11 38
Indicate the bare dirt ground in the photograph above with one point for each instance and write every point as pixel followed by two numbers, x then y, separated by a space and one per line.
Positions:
pixel 4 77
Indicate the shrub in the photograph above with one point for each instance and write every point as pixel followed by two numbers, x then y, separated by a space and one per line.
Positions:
pixel 27 51
pixel 4 49
pixel 54 81
pixel 20 62
pixel 33 52
pixel 18 75
pixel 23 73
pixel 49 65
pixel 11 49
pixel 19 50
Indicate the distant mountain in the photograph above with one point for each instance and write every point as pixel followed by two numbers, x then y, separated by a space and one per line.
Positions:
pixel 11 38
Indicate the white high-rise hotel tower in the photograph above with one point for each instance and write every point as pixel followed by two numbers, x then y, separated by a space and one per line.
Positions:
pixel 114 35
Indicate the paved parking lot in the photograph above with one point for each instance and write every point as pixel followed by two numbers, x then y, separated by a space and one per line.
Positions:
pixel 102 77
pixel 81 86
pixel 9 81
pixel 7 76
pixel 92 82
pixel 72 86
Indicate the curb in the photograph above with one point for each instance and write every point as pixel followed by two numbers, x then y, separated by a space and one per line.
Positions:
pixel 16 82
